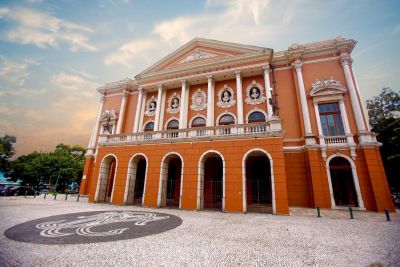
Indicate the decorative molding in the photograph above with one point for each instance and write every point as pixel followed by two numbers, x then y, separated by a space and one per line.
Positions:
pixel 297 65
pixel 255 94
pixel 174 103
pixel 197 54
pixel 151 106
pixel 112 114
pixel 199 100
pixel 345 59
pixel 327 88
pixel 226 97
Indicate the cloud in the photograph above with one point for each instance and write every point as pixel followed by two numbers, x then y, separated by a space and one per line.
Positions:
pixel 22 91
pixel 244 18
pixel 45 30
pixel 78 83
pixel 126 53
pixel 13 72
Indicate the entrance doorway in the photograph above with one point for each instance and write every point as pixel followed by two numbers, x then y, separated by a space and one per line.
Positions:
pixel 211 182
pixel 170 182
pixel 135 187
pixel 258 183
pixel 342 180
pixel 105 183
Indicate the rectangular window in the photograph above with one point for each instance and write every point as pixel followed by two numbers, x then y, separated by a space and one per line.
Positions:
pixel 331 121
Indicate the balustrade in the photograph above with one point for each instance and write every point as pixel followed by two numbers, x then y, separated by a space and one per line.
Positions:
pixel 190 133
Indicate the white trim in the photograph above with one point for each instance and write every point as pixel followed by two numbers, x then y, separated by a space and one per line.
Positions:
pixel 162 178
pixel 169 120
pixel 225 113
pixel 128 181
pixel 244 188
pixel 200 179
pixel 355 179
pixel 100 178
pixel 256 109
pixel 195 117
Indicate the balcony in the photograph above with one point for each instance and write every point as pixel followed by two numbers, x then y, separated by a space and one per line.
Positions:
pixel 335 140
pixel 193 134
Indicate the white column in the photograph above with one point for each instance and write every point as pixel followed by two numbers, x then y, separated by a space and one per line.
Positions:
pixel 210 101
pixel 239 93
pixel 345 120
pixel 138 109
pixel 163 97
pixel 121 112
pixel 303 98
pixel 93 138
pixel 158 108
pixel 345 60
pixel 319 126
pixel 142 109
pixel 268 90
pixel 184 105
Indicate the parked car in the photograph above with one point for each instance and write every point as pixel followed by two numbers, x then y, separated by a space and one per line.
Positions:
pixel 5 189
pixel 20 191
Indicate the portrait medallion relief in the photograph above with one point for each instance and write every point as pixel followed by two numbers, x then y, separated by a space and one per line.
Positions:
pixel 151 106
pixel 255 93
pixel 199 100
pixel 226 97
pixel 174 103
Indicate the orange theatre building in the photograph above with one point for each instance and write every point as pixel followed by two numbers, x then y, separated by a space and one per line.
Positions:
pixel 238 128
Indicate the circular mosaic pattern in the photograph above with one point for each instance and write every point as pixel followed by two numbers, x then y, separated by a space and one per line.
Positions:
pixel 91 227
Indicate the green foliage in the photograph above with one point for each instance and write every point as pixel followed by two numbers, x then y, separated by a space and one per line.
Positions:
pixel 384 106
pixel 6 151
pixel 59 168
pixel 384 111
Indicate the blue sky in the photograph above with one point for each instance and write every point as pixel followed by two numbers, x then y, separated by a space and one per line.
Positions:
pixel 53 54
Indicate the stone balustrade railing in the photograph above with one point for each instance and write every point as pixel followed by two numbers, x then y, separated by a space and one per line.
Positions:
pixel 178 135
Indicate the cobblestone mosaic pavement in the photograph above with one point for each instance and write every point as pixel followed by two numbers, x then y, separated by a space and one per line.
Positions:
pixel 211 238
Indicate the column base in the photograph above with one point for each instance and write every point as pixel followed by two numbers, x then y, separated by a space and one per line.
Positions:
pixel 275 124
pixel 310 140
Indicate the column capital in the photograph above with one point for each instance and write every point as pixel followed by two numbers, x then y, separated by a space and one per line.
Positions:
pixel 102 97
pixel 141 90
pixel 184 82
pixel 238 73
pixel 345 59
pixel 266 69
pixel 124 93
pixel 160 85
pixel 297 64
pixel 210 77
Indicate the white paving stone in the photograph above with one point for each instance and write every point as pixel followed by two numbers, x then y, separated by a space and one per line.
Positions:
pixel 213 239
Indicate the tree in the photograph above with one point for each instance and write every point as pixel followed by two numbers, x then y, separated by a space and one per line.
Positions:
pixel 58 169
pixel 6 151
pixel 384 111
pixel 384 106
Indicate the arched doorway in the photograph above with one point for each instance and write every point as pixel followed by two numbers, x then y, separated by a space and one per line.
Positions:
pixel 258 190
pixel 171 174
pixel 136 180
pixel 211 182
pixel 105 183
pixel 342 182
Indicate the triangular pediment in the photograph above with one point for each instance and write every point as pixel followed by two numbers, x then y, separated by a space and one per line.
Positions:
pixel 201 51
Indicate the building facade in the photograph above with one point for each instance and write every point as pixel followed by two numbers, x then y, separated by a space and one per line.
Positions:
pixel 238 128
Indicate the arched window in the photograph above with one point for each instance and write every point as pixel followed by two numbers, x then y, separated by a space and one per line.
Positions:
pixel 172 125
pixel 199 122
pixel 149 127
pixel 226 120
pixel 256 116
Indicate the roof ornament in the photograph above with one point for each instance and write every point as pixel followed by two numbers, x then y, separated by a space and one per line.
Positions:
pixel 197 54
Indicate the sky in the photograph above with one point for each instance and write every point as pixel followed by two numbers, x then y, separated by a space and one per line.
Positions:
pixel 54 54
